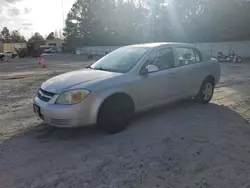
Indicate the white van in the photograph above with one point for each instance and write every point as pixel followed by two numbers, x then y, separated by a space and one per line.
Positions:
pixel 48 49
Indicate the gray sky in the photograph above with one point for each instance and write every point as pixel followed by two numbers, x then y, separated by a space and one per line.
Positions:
pixel 30 16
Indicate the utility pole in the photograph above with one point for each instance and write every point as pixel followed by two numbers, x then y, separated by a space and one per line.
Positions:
pixel 63 13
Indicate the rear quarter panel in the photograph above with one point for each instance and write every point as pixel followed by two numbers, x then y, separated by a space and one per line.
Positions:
pixel 209 67
pixel 212 67
pixel 216 69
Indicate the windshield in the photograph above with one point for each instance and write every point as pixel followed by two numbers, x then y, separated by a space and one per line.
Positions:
pixel 121 60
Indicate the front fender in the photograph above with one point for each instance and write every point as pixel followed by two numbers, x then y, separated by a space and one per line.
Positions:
pixel 100 99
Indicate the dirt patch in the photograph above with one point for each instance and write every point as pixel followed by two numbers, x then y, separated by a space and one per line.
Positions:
pixel 13 77
pixel 181 145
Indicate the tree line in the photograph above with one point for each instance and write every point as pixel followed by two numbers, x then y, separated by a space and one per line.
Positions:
pixel 14 36
pixel 121 22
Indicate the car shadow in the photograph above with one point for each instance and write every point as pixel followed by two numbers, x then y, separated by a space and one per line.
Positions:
pixel 175 111
pixel 42 154
pixel 233 88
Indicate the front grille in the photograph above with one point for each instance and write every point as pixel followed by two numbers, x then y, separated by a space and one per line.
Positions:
pixel 47 93
pixel 44 95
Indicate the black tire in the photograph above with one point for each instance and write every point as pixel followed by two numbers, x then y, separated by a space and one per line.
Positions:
pixel 239 59
pixel 115 114
pixel 219 60
pixel 203 98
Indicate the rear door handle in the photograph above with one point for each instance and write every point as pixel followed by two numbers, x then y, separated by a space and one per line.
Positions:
pixel 171 75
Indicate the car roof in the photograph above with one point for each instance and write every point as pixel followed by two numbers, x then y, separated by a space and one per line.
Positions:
pixel 158 44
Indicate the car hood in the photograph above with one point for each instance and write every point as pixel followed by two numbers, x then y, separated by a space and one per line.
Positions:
pixel 68 80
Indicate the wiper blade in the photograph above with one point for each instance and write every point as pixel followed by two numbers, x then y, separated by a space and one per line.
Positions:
pixel 89 67
pixel 99 68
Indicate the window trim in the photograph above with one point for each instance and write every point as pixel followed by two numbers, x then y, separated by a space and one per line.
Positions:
pixel 154 51
pixel 199 53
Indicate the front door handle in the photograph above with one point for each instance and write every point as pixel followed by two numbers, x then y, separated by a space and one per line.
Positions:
pixel 197 69
pixel 171 75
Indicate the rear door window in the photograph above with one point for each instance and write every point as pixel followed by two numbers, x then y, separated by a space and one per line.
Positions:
pixel 185 56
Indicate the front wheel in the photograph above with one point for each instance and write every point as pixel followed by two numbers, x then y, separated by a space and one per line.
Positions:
pixel 115 114
pixel 219 59
pixel 206 92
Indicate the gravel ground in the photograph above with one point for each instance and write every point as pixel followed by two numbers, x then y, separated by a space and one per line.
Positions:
pixel 184 145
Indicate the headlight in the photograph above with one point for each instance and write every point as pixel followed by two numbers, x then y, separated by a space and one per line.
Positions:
pixel 72 97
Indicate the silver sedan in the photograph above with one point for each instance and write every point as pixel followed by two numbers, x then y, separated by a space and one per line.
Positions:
pixel 128 80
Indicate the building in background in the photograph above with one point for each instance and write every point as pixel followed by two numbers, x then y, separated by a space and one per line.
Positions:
pixel 58 43
pixel 1 46
pixel 13 47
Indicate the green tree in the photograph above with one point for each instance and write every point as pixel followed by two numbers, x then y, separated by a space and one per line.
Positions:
pixel 119 22
pixel 104 22
pixel 1 38
pixel 6 35
pixel 36 37
pixel 17 37
pixel 128 22
pixel 205 20
pixel 51 36
pixel 79 22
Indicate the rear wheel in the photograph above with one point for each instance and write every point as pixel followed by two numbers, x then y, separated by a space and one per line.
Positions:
pixel 239 59
pixel 206 91
pixel 115 114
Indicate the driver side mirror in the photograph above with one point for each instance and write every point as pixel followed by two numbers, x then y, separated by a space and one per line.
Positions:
pixel 144 71
pixel 149 69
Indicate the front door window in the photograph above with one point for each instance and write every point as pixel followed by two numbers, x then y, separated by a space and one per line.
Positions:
pixel 161 59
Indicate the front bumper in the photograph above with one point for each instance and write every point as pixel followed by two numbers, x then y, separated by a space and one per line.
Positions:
pixel 67 116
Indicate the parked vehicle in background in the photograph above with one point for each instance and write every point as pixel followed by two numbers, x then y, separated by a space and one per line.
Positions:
pixel 7 55
pixel 2 56
pixel 46 49
pixel 49 49
pixel 10 54
pixel 54 49
pixel 128 80
pixel 229 58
